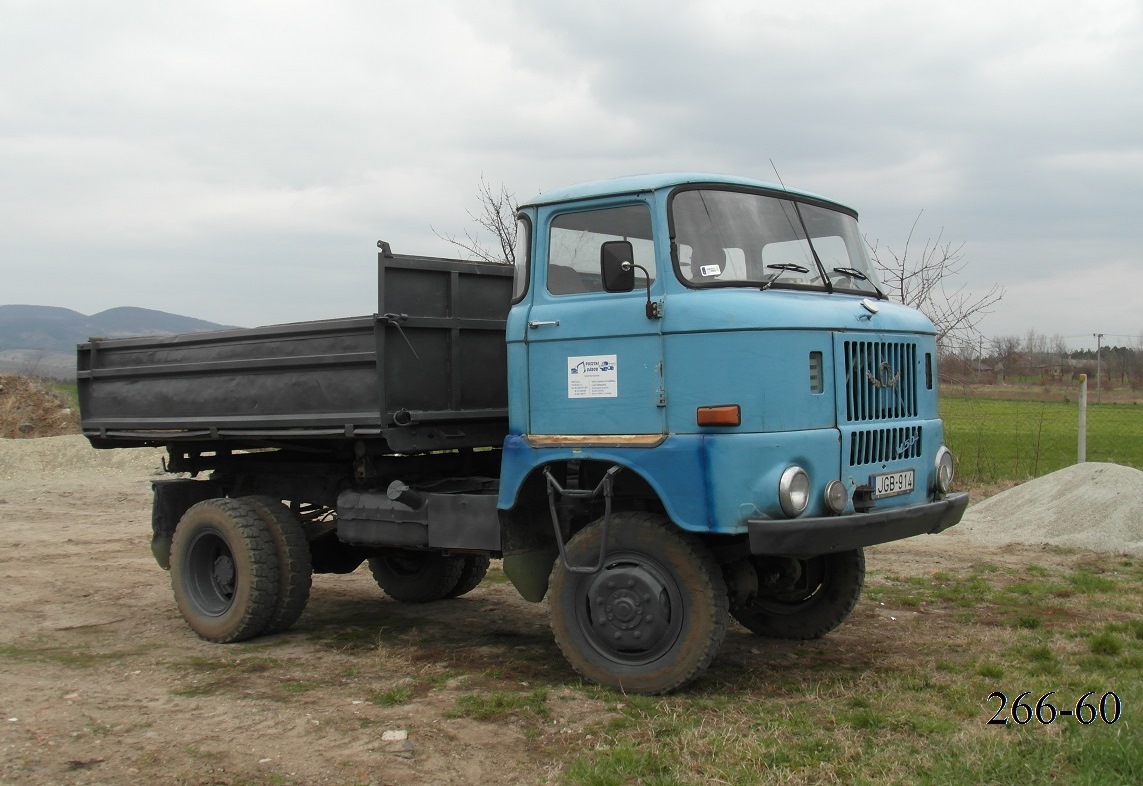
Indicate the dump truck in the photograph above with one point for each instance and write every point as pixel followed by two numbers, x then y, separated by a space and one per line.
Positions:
pixel 687 400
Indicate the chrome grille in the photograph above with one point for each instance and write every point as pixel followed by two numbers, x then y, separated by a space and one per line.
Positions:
pixel 878 446
pixel 880 380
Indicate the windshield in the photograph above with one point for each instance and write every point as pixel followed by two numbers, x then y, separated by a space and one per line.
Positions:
pixel 740 238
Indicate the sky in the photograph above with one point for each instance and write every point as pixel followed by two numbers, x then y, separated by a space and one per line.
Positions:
pixel 237 161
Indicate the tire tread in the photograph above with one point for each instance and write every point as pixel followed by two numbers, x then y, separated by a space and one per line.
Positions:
pixel 295 568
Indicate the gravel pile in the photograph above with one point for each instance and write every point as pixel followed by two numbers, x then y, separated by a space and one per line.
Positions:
pixel 31 407
pixel 1093 506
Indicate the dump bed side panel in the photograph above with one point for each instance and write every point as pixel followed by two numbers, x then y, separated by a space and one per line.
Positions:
pixel 430 366
pixel 319 375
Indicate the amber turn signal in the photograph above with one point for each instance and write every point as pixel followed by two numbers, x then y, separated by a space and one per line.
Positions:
pixel 724 415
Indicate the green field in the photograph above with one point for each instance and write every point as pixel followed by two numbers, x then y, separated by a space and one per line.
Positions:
pixel 997 440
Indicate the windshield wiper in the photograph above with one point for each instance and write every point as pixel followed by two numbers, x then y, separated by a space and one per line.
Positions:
pixel 853 272
pixel 782 267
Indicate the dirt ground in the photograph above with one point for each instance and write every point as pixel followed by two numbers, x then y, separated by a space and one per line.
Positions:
pixel 101 682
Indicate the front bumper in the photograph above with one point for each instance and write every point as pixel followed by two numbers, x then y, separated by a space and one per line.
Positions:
pixel 813 536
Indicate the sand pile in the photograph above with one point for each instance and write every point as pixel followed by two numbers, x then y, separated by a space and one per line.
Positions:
pixel 73 454
pixel 1095 507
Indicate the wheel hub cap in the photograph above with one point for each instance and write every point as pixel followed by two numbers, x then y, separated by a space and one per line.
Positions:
pixel 630 609
pixel 222 573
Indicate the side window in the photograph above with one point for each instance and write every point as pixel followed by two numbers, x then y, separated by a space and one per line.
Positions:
pixel 575 240
pixel 520 257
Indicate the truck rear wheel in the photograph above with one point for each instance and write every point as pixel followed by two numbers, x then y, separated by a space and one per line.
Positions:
pixel 652 619
pixel 416 576
pixel 295 569
pixel 224 570
pixel 811 596
pixel 472 572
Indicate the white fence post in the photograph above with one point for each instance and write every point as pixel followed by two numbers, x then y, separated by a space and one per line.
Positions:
pixel 1083 419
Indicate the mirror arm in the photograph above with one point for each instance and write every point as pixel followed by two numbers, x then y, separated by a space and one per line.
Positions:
pixel 654 310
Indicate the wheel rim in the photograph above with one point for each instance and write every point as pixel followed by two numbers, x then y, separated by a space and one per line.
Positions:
pixel 211 573
pixel 405 565
pixel 631 611
pixel 797 599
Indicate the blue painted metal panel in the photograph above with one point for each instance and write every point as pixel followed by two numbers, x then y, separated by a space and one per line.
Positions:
pixel 765 372
pixel 745 470
pixel 597 326
pixel 675 469
pixel 708 482
pixel 565 329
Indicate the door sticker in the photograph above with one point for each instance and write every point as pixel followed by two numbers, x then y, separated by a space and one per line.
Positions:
pixel 593 376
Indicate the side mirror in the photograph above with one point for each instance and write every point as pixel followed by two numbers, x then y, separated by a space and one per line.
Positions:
pixel 616 266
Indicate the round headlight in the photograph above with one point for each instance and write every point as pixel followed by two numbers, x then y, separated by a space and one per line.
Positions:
pixel 946 470
pixel 836 497
pixel 794 491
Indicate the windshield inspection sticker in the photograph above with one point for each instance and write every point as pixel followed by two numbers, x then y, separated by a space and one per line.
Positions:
pixel 710 270
pixel 594 376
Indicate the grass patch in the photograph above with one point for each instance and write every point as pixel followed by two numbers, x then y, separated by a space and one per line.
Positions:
pixel 499 705
pixel 70 656
pixel 1087 582
pixel 392 697
pixel 1105 643
pixel 203 676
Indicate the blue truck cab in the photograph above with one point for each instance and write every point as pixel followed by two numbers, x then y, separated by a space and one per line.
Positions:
pixel 722 346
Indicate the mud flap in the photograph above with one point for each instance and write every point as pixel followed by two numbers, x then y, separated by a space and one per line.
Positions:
pixel 172 498
pixel 529 570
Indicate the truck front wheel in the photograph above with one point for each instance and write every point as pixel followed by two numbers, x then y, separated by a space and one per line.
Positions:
pixel 224 570
pixel 416 576
pixel 803 599
pixel 652 619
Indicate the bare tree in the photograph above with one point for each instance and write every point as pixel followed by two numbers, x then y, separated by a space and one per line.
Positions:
pixel 1008 358
pixel 924 280
pixel 495 240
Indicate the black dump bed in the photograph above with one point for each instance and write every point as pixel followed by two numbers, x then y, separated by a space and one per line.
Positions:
pixel 428 372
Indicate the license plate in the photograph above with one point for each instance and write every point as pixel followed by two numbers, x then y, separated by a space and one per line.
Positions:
pixel 892 484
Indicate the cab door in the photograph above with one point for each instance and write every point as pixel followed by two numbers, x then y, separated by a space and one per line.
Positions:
pixel 594 357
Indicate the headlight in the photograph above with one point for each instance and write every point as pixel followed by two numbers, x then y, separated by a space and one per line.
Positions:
pixel 794 491
pixel 946 470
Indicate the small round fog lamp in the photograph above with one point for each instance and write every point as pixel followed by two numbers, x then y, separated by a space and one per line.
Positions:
pixel 836 497
pixel 794 491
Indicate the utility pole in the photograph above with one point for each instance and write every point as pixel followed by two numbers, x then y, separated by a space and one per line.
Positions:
pixel 1098 375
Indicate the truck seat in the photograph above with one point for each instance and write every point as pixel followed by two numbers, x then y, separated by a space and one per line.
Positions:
pixel 563 280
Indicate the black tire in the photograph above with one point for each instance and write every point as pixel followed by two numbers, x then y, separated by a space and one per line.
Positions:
pixel 295 568
pixel 821 599
pixel 224 570
pixel 415 576
pixel 473 570
pixel 652 619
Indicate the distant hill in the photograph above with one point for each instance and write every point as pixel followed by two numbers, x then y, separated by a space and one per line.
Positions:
pixel 42 339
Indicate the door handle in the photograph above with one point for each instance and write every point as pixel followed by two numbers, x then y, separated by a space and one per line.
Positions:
pixel 541 324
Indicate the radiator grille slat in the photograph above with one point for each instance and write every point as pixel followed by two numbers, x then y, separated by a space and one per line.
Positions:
pixel 880 380
pixel 878 446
